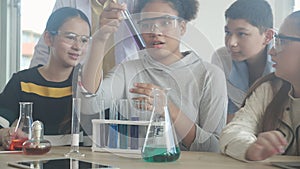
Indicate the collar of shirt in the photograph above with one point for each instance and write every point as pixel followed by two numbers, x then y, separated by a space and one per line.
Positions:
pixel 189 59
pixel 295 101
pixel 97 7
pixel 96 10
pixel 239 75
pixel 96 3
pixel 294 109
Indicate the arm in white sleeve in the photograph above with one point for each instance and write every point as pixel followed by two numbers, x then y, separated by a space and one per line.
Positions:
pixel 219 56
pixel 112 86
pixel 237 136
pixel 212 112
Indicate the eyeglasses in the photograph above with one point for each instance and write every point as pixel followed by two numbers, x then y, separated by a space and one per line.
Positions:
pixel 71 38
pixel 163 24
pixel 281 40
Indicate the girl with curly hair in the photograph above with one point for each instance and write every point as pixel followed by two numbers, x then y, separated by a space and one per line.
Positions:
pixel 197 99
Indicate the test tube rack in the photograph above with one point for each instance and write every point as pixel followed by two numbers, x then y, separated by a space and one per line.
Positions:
pixel 104 147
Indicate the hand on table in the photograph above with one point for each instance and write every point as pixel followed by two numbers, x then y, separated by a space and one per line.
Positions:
pixel 9 134
pixel 6 137
pixel 267 144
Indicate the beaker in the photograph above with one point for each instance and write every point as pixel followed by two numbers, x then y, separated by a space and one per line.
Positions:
pixel 22 131
pixel 161 144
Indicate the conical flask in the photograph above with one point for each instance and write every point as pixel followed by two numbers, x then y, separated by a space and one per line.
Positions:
pixel 22 130
pixel 161 143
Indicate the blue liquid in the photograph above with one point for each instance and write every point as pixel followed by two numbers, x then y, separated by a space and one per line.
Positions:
pixel 134 134
pixel 113 136
pixel 123 136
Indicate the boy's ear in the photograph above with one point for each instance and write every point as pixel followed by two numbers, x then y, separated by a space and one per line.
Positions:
pixel 269 35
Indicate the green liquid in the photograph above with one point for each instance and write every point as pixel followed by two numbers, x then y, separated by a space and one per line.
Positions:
pixel 152 154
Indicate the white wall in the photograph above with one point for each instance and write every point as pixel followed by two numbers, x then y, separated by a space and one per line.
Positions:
pixel 206 33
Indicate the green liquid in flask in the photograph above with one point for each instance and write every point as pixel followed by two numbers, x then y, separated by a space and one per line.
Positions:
pixel 154 154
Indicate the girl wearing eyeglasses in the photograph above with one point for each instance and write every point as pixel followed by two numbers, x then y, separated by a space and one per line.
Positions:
pixel 268 122
pixel 197 99
pixel 49 86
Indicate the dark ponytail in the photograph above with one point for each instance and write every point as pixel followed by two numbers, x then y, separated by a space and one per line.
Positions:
pixel 275 109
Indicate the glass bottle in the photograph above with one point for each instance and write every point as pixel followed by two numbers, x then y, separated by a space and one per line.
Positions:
pixel 22 130
pixel 161 143
pixel 37 145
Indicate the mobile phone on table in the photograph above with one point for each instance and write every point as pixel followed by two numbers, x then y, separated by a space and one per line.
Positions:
pixel 287 165
pixel 58 163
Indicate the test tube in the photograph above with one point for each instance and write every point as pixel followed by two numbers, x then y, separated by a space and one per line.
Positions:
pixel 135 33
pixel 134 129
pixel 124 115
pixel 113 128
pixel 143 110
pixel 102 134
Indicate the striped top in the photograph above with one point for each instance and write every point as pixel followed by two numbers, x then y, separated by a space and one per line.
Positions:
pixel 51 100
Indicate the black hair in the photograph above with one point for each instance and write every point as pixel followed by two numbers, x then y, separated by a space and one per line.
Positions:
pixel 187 9
pixel 257 12
pixel 61 15
pixel 295 16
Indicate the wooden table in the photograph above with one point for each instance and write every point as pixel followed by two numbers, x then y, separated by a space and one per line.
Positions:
pixel 187 160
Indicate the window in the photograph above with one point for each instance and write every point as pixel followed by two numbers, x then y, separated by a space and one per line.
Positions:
pixel 33 23
pixel 297 5
pixel 9 39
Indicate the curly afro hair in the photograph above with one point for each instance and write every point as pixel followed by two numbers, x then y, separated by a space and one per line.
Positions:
pixel 187 9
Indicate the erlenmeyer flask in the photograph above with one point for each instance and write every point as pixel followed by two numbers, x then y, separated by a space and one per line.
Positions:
pixel 161 143
pixel 22 130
